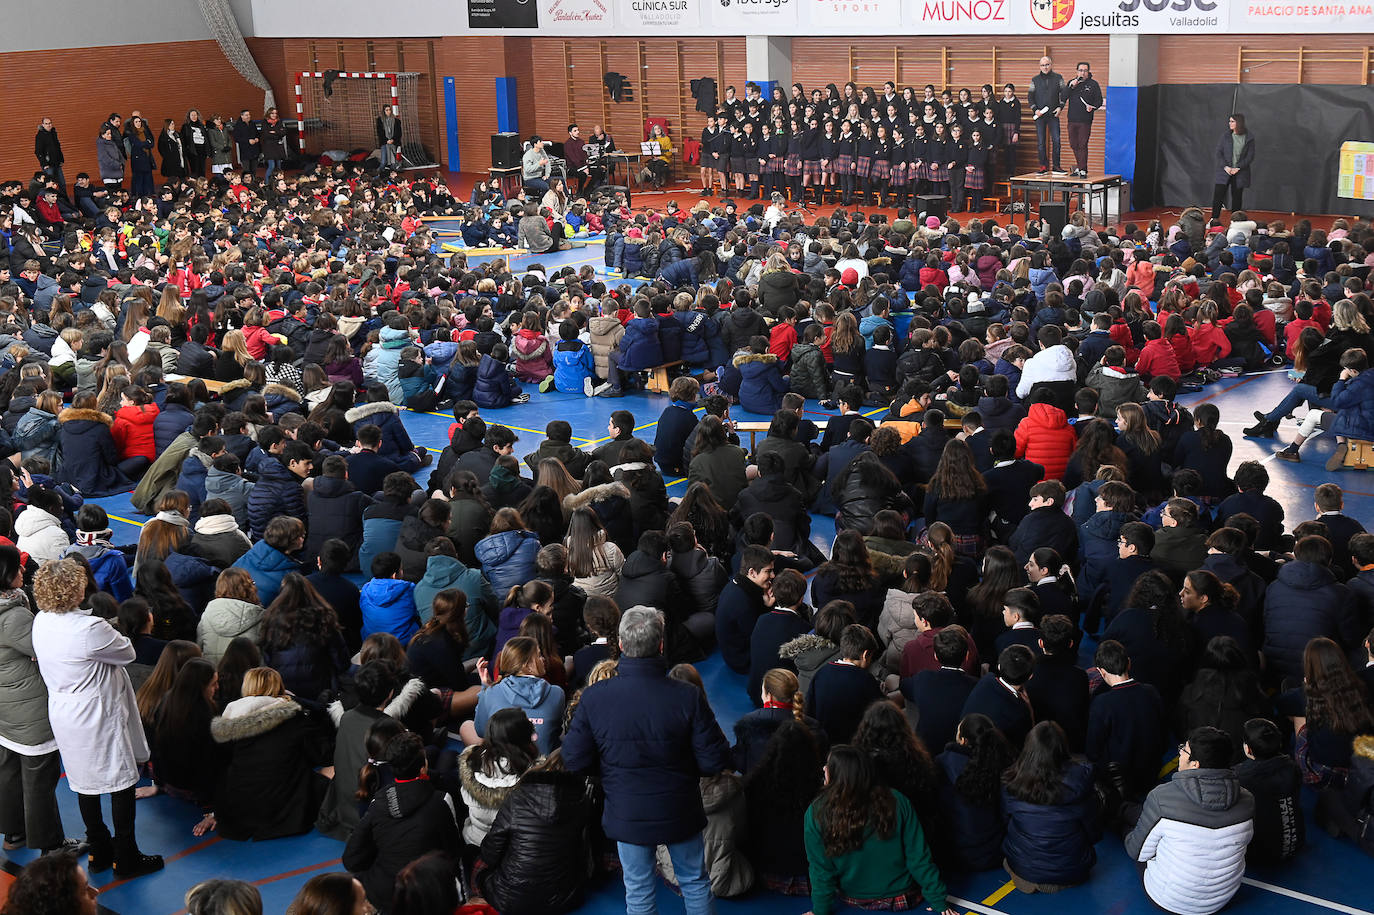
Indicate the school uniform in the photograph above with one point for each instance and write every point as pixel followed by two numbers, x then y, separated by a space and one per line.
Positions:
pixel 744 154
pixel 811 154
pixel 956 152
pixel 980 157
pixel 937 157
pixel 917 167
pixel 897 167
pixel 882 166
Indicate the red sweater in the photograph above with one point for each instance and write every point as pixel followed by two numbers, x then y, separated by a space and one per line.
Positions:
pixel 781 339
pixel 1209 343
pixel 1157 358
pixel 1294 330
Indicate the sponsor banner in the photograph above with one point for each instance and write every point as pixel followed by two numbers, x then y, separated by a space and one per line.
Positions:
pixel 852 17
pixel 1149 17
pixel 592 17
pixel 753 17
pixel 1279 17
pixel 658 17
pixel 961 17
pixel 503 14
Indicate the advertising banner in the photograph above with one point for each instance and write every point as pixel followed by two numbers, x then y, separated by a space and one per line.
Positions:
pixel 753 17
pixel 658 17
pixel 583 17
pixel 960 17
pixel 1148 17
pixel 503 14
pixel 851 17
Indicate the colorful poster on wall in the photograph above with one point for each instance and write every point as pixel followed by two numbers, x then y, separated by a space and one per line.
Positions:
pixel 1149 17
pixel 659 17
pixel 503 14
pixel 1355 179
pixel 589 17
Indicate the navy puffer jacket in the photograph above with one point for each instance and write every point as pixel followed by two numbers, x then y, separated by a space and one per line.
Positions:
pixel 277 492
pixel 973 832
pixel 508 558
pixel 650 739
pixel 1304 602
pixel 1053 843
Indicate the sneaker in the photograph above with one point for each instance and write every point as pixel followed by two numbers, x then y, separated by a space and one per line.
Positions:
pixel 15 841
pixel 611 392
pixel 546 385
pixel 1059 172
pixel 1288 454
pixel 77 847
pixel 523 398
pixel 1337 459
pixel 587 389
pixel 1043 170
pixel 599 389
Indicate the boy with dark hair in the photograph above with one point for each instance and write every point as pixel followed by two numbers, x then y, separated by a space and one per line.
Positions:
pixel 1126 729
pixel 1251 481
pixel 1275 780
pixel 367 468
pixel 1020 614
pixel 938 695
pixel 335 508
pixel 1001 695
pixel 387 601
pixel 108 565
pixel 557 444
pixel 788 619
pixel 1329 501
pixel 1008 479
pixel 842 690
pixel 1045 524
pixel 747 597
pixel 1058 689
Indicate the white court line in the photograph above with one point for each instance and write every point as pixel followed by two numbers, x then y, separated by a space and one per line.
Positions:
pixel 1270 457
pixel 1314 900
pixel 955 902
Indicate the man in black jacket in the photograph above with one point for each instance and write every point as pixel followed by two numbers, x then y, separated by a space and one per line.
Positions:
pixel 248 141
pixel 1046 98
pixel 48 149
pixel 1082 96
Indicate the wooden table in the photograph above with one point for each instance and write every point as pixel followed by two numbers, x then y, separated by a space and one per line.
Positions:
pixel 755 426
pixel 1047 185
pixel 211 384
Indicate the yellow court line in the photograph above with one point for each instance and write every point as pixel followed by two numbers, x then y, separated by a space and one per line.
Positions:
pixel 677 481
pixel 1002 892
pixel 516 428
pixel 126 520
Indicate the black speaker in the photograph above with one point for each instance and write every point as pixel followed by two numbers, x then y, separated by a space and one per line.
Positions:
pixel 610 190
pixel 935 205
pixel 1052 218
pixel 505 150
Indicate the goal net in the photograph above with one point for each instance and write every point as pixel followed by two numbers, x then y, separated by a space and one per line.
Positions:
pixel 338 112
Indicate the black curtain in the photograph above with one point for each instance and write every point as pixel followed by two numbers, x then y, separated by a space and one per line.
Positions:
pixel 1298 135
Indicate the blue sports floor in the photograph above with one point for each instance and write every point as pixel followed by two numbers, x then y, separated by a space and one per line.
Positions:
pixel 1329 875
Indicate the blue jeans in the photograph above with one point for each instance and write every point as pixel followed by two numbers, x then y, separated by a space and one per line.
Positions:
pixel 689 866
pixel 1293 399
pixel 272 166
pixel 538 185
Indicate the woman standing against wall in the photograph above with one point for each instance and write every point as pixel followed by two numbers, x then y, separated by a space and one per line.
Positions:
pixel 1234 154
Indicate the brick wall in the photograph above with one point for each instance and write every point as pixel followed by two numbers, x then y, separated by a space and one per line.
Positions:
pixel 78 88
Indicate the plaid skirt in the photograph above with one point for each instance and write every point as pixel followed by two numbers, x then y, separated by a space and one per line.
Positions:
pixel 792 165
pixel 976 180
pixel 881 169
pixel 863 166
pixel 935 171
pixel 1007 131
pixel 899 903
pixel 842 165
pixel 811 168
pixel 773 167
pixel 898 177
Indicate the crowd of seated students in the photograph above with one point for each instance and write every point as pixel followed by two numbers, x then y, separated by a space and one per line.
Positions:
pixel 1076 501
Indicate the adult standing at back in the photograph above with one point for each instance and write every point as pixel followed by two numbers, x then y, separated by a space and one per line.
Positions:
pixel 248 141
pixel 48 149
pixel 650 738
pixel 388 138
pixel 1046 98
pixel 1082 96
pixel 1235 151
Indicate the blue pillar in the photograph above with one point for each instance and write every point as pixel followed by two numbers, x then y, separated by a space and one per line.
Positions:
pixel 507 105
pixel 1122 104
pixel 766 85
pixel 451 120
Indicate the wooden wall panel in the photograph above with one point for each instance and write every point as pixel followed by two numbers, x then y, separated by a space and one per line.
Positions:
pixel 1326 59
pixel 954 64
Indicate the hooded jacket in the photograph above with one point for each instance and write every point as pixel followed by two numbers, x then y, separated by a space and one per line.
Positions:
pixel 225 619
pixel 335 509
pixel 1115 386
pixel 1053 843
pixel 494 387
pixel 232 488
pixel 269 788
pixel 809 653
pixel 639 347
pixel 396 441
pixel 1354 403
pixel 23 695
pixel 540 700
pixel 573 363
pixel 809 375
pixel 386 363
pixel 38 434
pixel 1045 437
pixel 1305 602
pixel 1192 836
pixel 444 572
pixel 405 820
pixel 533 359
pixel 762 385
pixel 606 333
pixel 537 850
pixel 739 325
pixel 388 605
pixel 40 534
pixel 1054 363
pixel 89 456
pixel 268 566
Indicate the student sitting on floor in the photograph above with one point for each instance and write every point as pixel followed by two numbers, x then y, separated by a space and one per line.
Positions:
pixel 496 387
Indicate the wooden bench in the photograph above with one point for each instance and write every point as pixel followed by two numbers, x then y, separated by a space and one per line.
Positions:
pixel 211 385
pixel 755 426
pixel 1359 455
pixel 659 381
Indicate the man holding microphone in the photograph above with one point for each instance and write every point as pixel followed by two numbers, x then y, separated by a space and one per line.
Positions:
pixel 1082 96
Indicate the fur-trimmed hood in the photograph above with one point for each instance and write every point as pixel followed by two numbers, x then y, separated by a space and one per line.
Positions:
pixel 397 708
pixel 804 643
pixel 94 416
pixel 286 392
pixel 233 387
pixel 1364 747
pixel 484 788
pixel 252 716
pixel 745 358
pixel 370 409
pixel 575 500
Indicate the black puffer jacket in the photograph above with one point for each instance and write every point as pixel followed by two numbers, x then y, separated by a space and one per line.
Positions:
pixel 404 821
pixel 782 502
pixel 537 854
pixel 739 325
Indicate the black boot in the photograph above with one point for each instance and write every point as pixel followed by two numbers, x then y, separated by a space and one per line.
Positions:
pixel 129 862
pixel 1263 429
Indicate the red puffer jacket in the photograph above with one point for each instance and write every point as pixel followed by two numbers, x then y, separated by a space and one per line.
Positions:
pixel 1045 437
pixel 1157 358
pixel 1209 343
pixel 133 431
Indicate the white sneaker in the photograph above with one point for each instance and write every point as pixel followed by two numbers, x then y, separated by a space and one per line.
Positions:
pixel 587 386
pixel 597 391
pixel 1059 172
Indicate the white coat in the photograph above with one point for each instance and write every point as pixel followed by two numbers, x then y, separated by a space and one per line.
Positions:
pixel 90 701
pixel 40 535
